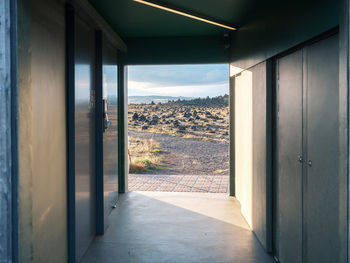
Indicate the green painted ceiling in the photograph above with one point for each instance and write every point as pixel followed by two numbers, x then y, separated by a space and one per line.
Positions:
pixel 132 19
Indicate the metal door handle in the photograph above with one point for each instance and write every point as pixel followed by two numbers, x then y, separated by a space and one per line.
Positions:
pixel 300 158
pixel 309 163
pixel 106 121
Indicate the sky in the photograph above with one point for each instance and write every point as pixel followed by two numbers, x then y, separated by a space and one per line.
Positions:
pixel 179 80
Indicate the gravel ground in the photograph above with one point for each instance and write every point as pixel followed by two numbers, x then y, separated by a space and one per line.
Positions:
pixel 189 156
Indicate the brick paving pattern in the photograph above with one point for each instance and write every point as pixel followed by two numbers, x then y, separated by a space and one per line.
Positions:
pixel 179 183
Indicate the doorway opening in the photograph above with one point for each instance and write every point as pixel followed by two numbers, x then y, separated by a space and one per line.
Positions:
pixel 178 128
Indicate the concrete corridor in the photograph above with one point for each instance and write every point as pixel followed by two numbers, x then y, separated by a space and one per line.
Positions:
pixel 176 227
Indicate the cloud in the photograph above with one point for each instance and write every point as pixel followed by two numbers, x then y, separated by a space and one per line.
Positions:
pixel 179 80
pixel 180 74
pixel 147 88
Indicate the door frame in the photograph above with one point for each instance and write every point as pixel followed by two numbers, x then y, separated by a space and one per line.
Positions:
pixel 70 118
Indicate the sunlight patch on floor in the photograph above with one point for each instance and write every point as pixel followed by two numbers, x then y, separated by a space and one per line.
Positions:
pixel 215 205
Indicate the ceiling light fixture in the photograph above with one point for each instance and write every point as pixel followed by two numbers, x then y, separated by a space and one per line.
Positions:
pixel 186 13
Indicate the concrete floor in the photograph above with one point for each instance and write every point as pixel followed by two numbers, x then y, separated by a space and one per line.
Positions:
pixel 176 227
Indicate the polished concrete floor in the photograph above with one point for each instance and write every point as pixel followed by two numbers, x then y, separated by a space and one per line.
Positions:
pixel 176 227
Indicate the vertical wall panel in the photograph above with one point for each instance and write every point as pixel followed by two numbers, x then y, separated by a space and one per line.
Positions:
pixel 243 143
pixel 42 131
pixel 251 149
pixel 85 179
pixel 260 204
pixel 5 134
pixel 343 142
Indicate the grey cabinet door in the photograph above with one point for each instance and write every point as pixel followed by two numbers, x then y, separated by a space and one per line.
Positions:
pixel 321 205
pixel 288 167
pixel 85 186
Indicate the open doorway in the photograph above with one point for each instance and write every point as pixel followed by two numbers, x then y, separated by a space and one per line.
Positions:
pixel 178 128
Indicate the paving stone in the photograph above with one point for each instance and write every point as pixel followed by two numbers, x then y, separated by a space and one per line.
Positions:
pixel 179 183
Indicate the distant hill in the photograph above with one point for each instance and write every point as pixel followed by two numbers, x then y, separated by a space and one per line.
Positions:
pixel 219 101
pixel 155 99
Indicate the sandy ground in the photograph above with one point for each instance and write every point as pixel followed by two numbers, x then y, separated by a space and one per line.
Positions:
pixel 188 156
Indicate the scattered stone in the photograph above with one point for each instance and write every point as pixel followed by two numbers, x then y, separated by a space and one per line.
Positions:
pixel 142 118
pixel 181 128
pixel 135 117
pixel 154 120
pixel 187 114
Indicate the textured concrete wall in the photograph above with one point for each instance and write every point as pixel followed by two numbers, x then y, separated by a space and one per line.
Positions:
pixel 5 134
pixel 42 131
pixel 250 148
pixel 261 172
pixel 243 143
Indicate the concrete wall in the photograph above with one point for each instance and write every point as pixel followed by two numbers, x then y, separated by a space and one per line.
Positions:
pixel 243 120
pixel 261 156
pixel 42 131
pixel 275 26
pixel 251 149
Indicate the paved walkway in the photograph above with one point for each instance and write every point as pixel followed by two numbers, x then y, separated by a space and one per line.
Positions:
pixel 179 183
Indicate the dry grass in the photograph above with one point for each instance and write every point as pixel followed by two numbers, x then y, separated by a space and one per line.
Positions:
pixel 145 155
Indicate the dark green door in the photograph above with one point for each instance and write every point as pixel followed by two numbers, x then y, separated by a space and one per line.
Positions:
pixel 307 154
pixel 289 157
pixel 321 205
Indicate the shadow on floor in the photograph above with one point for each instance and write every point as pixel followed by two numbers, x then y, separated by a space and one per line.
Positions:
pixel 176 227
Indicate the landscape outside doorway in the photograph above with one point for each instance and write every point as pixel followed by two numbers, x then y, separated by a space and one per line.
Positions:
pixel 178 128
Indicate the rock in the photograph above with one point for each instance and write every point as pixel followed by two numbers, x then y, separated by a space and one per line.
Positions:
pixel 135 117
pixel 198 118
pixel 154 120
pixel 142 118
pixel 187 114
pixel 181 128
pixel 176 123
